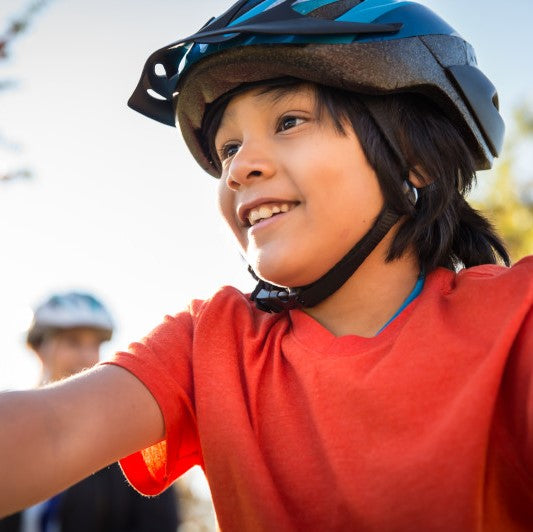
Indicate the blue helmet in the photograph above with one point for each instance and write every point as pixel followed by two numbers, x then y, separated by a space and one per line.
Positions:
pixel 366 46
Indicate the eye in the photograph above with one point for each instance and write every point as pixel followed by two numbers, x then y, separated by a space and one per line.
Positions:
pixel 228 150
pixel 288 122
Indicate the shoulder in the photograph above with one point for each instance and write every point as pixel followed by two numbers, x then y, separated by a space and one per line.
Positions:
pixel 498 285
pixel 227 300
pixel 480 315
pixel 484 303
pixel 482 299
pixel 488 282
pixel 521 272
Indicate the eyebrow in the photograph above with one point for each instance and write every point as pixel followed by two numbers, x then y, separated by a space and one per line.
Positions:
pixel 275 93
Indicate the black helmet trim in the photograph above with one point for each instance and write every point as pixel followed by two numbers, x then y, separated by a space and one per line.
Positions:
pixel 471 82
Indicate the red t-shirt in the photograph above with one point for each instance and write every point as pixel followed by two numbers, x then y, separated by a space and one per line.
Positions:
pixel 426 426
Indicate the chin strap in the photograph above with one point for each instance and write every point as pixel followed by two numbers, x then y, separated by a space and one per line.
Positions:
pixel 272 298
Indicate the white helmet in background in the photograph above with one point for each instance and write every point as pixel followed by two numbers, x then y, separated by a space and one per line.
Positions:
pixel 68 311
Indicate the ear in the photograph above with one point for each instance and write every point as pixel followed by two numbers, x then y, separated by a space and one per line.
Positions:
pixel 418 178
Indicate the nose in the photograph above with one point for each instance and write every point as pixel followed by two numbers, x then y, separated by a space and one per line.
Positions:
pixel 253 161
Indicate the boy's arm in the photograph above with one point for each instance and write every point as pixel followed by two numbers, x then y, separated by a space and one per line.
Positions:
pixel 52 437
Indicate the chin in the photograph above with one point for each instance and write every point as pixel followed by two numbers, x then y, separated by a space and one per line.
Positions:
pixel 290 265
pixel 285 276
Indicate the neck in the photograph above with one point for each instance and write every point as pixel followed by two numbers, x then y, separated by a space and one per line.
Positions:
pixel 370 297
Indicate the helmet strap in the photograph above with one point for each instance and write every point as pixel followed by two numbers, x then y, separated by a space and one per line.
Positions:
pixel 272 298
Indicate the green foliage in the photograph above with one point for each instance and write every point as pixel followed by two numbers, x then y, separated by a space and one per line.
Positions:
pixel 508 198
pixel 523 118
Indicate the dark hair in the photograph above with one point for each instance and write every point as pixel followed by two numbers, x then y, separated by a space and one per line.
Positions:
pixel 443 229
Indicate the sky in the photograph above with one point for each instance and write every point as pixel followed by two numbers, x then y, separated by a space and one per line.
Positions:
pixel 116 204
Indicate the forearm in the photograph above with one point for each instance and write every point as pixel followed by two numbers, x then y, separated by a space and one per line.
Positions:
pixel 55 436
pixel 30 455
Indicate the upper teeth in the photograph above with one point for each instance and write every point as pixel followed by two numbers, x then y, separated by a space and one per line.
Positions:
pixel 266 211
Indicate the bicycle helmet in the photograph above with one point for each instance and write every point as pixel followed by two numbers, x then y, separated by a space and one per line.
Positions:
pixel 371 47
pixel 368 46
pixel 67 311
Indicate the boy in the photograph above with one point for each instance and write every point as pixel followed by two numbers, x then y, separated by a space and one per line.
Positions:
pixel 364 385
pixel 66 333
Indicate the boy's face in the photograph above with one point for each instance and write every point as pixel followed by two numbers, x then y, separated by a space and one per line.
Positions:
pixel 67 352
pixel 296 193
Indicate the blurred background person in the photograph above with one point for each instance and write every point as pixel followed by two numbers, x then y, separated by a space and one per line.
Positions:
pixel 66 334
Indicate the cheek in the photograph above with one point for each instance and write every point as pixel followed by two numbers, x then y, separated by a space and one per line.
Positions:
pixel 224 200
pixel 226 206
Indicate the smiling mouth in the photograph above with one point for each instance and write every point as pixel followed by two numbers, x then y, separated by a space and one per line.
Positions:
pixel 267 210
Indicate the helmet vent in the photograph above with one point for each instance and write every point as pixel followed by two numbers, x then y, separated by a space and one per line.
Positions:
pixel 334 10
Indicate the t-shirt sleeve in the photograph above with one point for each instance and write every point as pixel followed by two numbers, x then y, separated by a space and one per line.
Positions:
pixel 162 361
pixel 518 379
pixel 521 369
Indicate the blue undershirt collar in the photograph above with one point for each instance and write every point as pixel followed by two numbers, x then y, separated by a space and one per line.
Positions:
pixel 411 297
